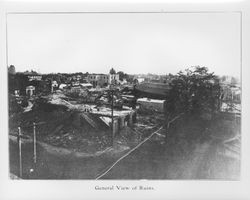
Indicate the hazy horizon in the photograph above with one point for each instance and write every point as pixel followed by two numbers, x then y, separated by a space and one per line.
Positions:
pixel 137 43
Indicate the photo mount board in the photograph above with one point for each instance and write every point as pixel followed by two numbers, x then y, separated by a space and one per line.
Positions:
pixel 163 189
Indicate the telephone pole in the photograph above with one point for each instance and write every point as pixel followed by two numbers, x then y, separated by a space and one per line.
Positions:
pixel 112 116
pixel 20 152
pixel 112 112
pixel 34 142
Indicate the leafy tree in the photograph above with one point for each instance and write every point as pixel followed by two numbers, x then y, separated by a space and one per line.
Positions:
pixel 194 92
pixel 12 69
pixel 17 81
pixel 112 71
pixel 122 75
pixel 14 107
pixel 130 78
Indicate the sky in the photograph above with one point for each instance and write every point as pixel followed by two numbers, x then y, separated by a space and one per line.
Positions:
pixel 134 43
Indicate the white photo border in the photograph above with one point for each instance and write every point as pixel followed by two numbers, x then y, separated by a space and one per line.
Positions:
pixel 164 189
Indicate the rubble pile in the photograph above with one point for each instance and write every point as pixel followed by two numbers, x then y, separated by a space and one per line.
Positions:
pixel 63 126
pixel 65 121
pixel 78 142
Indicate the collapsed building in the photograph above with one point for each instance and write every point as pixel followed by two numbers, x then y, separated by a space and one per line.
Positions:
pixel 92 113
pixel 121 118
pixel 151 104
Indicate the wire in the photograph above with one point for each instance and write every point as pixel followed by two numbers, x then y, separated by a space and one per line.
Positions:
pixel 125 155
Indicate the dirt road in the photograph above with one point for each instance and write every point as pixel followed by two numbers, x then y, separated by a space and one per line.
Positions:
pixel 151 161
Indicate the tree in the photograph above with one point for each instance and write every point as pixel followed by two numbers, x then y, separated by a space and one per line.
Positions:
pixel 18 81
pixel 112 71
pixel 14 107
pixel 130 79
pixel 194 92
pixel 12 69
pixel 122 75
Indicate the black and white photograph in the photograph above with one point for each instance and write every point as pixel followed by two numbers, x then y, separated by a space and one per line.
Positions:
pixel 124 95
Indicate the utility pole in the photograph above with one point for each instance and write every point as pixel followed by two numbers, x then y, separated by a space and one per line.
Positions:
pixel 34 142
pixel 20 152
pixel 52 86
pixel 112 115
pixel 112 112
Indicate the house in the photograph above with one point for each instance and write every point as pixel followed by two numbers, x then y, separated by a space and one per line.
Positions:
pixel 36 77
pixel 78 77
pixel 30 90
pixel 54 86
pixel 139 80
pixel 17 93
pixel 54 83
pixel 86 85
pixel 103 80
pixel 151 104
pixel 113 78
pixel 62 86
pixel 98 79
pixel 33 76
pixel 231 93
